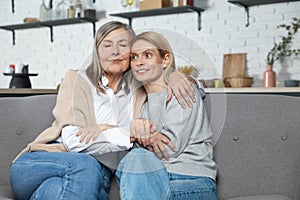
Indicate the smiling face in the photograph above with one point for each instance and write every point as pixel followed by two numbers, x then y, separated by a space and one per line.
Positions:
pixel 146 63
pixel 114 52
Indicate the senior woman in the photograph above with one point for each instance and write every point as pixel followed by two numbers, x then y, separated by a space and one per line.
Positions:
pixel 64 161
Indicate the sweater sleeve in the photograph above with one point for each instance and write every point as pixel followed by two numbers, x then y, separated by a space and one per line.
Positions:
pixel 184 127
pixel 62 111
pixel 74 106
pixel 177 127
pixel 200 88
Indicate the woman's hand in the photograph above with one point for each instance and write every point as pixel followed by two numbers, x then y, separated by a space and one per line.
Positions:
pixel 157 145
pixel 181 85
pixel 92 132
pixel 141 130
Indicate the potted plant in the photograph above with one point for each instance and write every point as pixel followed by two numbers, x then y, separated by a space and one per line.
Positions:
pixel 281 50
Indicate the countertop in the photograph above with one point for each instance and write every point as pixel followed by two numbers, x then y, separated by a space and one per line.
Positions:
pixel 19 92
pixel 248 90
pixel 255 90
pixel 27 91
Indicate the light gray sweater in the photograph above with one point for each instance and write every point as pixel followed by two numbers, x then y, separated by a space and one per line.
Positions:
pixel 188 129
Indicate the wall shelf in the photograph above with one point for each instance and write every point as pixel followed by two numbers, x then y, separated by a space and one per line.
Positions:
pixel 49 24
pixel 50 3
pixel 161 11
pixel 248 3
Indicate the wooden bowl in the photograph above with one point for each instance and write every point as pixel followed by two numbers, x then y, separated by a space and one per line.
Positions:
pixel 186 69
pixel 237 82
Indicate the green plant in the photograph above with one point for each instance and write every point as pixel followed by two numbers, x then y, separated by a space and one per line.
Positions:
pixel 282 49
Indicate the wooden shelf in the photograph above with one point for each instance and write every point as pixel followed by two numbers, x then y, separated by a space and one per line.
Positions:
pixel 49 24
pixel 248 3
pixel 161 11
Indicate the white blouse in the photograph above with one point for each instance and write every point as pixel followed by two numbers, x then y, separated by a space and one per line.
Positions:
pixel 110 108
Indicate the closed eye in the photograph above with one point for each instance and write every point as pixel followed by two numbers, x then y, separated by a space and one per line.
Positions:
pixel 123 45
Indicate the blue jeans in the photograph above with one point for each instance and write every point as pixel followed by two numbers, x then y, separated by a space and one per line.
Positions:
pixel 143 176
pixel 59 175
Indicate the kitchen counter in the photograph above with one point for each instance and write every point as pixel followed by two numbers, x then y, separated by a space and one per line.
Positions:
pixel 292 91
pixel 15 92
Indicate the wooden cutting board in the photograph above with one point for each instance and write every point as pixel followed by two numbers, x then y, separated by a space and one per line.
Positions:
pixel 234 65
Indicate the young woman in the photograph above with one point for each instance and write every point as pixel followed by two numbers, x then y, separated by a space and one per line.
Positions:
pixel 60 163
pixel 190 171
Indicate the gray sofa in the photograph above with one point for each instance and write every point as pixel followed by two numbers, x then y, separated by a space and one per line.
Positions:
pixel 257 142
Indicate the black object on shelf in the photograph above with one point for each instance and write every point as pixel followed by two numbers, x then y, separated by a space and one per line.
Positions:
pixel 161 11
pixel 13 6
pixel 247 3
pixel 19 80
pixel 50 25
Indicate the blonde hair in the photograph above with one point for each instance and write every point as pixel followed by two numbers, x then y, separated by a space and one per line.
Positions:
pixel 94 70
pixel 163 47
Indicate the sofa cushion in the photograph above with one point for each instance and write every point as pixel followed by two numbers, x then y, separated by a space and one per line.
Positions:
pixel 263 197
pixel 22 118
pixel 6 193
pixel 258 150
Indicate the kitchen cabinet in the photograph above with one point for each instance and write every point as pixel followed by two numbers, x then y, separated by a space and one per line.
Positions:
pixel 161 11
pixel 248 3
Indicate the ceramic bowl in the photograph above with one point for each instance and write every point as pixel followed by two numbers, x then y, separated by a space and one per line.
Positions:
pixel 291 83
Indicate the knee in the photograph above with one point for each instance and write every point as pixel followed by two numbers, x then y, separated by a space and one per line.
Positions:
pixel 140 160
pixel 141 152
pixel 138 155
pixel 84 164
pixel 86 159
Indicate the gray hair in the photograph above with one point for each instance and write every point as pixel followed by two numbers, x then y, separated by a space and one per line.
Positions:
pixel 94 70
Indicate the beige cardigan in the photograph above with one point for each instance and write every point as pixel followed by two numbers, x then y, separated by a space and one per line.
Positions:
pixel 74 106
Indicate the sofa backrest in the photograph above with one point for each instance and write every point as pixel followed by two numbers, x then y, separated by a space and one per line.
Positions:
pixel 21 120
pixel 257 139
pixel 258 148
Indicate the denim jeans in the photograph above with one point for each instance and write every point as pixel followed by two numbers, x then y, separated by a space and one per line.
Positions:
pixel 59 175
pixel 141 175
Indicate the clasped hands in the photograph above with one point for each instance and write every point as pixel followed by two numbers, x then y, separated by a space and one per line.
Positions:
pixel 144 132
pixel 141 130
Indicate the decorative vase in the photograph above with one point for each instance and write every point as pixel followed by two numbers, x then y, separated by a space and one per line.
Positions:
pixel 269 77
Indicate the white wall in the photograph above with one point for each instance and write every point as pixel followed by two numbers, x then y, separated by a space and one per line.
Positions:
pixel 223 31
